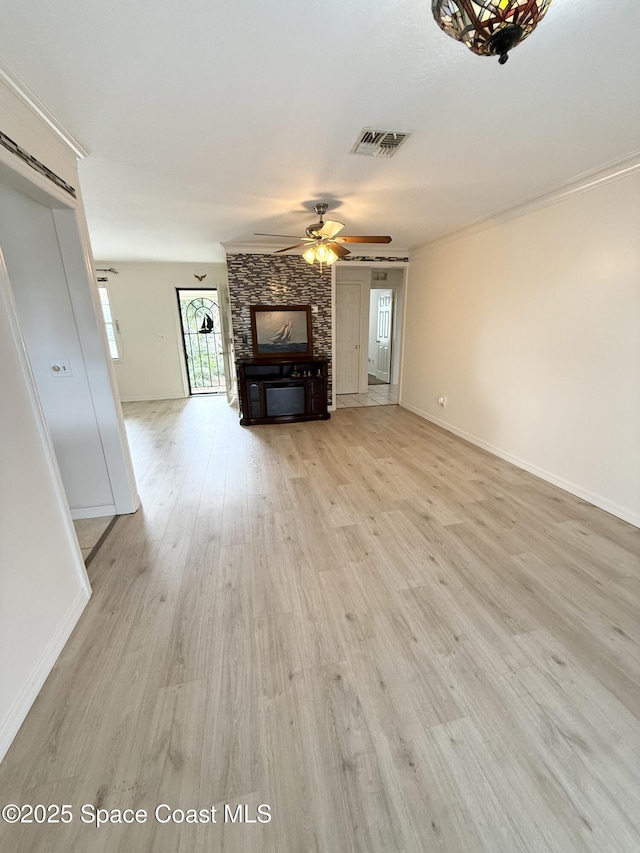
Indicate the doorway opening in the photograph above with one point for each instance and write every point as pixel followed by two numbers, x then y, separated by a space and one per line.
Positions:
pixel 202 340
pixel 369 318
pixel 380 336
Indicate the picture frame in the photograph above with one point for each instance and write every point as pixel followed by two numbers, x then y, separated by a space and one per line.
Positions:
pixel 281 331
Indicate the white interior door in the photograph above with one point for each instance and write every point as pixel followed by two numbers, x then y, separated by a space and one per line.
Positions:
pixel 347 338
pixel 383 337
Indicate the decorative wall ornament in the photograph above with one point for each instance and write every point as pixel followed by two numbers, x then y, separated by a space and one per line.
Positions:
pixel 489 27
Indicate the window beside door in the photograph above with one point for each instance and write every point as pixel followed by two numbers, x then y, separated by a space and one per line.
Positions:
pixel 109 322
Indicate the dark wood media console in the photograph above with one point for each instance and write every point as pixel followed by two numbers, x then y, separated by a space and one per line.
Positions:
pixel 282 390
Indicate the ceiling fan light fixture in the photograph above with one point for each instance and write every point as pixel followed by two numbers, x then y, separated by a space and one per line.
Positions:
pixel 326 255
pixel 489 27
pixel 320 254
pixel 322 245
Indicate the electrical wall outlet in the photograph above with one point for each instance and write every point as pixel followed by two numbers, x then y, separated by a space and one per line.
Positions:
pixel 60 367
pixel 442 401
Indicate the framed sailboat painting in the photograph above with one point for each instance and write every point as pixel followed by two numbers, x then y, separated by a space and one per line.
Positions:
pixel 283 330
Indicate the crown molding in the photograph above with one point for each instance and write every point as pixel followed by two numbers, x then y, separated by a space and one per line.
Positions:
pixel 585 182
pixel 30 100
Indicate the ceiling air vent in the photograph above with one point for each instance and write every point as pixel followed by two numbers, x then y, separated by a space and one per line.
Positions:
pixel 379 143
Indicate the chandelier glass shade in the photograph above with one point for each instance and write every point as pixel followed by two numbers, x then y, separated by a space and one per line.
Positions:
pixel 489 28
pixel 320 253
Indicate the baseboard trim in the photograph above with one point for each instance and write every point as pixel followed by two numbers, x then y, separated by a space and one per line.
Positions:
pixel 597 500
pixel 18 712
pixel 93 511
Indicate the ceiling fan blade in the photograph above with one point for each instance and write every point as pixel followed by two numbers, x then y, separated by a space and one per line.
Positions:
pixel 330 229
pixel 339 250
pixel 370 239
pixel 288 249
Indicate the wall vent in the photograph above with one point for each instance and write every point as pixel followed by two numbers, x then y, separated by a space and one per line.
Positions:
pixel 379 143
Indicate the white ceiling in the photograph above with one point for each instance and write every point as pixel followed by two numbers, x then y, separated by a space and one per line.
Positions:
pixel 208 121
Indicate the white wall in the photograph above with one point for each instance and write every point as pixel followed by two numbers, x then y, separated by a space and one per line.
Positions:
pixel 531 329
pixel 43 585
pixel 144 303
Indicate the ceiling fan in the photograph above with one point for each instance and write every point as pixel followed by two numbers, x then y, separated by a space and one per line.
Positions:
pixel 322 245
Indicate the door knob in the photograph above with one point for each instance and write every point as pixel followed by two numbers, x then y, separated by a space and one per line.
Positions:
pixel 357 346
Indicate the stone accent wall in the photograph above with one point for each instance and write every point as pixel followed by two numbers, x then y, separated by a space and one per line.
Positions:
pixel 378 259
pixel 278 280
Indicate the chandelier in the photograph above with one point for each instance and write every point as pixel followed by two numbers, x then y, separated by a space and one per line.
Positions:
pixel 489 28
pixel 320 253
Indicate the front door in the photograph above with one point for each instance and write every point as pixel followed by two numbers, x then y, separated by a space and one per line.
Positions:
pixel 203 340
pixel 347 338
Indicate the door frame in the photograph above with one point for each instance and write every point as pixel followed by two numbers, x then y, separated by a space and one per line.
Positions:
pixel 400 298
pixel 185 366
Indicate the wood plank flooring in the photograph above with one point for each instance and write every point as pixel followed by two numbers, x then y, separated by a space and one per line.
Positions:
pixel 395 640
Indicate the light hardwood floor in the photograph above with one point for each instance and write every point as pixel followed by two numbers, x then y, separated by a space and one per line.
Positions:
pixel 395 640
